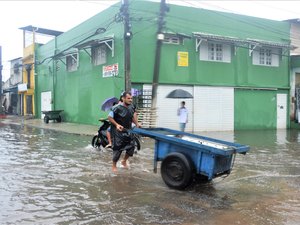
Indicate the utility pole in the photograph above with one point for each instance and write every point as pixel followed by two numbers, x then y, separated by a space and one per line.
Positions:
pixel 127 37
pixel 160 37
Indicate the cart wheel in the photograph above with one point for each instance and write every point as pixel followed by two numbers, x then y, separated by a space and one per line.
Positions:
pixel 176 170
pixel 58 119
pixel 46 119
pixel 96 141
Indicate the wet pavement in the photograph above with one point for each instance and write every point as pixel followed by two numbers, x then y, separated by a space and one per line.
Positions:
pixel 53 177
pixel 72 128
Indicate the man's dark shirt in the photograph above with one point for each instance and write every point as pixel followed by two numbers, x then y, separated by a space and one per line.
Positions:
pixel 123 115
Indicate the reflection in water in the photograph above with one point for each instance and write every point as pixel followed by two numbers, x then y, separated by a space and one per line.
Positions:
pixel 49 177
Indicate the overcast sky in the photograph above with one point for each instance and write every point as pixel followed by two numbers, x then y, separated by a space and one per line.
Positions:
pixel 63 15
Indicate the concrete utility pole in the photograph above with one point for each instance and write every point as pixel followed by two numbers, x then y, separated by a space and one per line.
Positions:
pixel 160 37
pixel 127 37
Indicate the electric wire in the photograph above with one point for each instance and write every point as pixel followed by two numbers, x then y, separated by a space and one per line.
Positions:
pixel 141 11
pixel 79 39
pixel 257 23
pixel 136 18
pixel 254 24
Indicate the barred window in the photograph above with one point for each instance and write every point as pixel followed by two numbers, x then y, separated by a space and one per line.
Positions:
pixel 215 51
pixel 172 40
pixel 266 57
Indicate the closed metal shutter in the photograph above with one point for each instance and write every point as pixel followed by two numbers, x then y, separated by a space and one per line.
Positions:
pixel 167 107
pixel 213 108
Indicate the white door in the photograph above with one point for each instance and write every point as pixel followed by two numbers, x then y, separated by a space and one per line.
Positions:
pixel 45 102
pixel 281 111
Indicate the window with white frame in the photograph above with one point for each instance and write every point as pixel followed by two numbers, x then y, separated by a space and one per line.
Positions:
pixel 72 62
pixel 215 51
pixel 265 56
pixel 99 54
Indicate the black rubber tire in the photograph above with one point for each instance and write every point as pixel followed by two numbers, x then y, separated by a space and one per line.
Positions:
pixel 46 119
pixel 137 144
pixel 96 141
pixel 176 171
pixel 58 119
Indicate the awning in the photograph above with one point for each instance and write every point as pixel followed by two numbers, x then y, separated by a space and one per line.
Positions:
pixel 41 30
pixel 108 41
pixel 269 43
pixel 13 89
pixel 238 41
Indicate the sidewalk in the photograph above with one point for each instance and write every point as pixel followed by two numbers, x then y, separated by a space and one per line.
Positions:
pixel 73 128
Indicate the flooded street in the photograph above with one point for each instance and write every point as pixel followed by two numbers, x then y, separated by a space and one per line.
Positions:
pixel 49 177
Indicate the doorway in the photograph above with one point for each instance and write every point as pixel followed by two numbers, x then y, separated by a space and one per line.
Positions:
pixel 281 111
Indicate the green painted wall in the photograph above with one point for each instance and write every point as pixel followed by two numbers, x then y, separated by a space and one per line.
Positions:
pixel 256 109
pixel 80 93
pixel 253 108
pixel 240 72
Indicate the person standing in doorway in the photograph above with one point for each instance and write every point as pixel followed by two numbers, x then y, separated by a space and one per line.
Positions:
pixel 182 113
pixel 121 118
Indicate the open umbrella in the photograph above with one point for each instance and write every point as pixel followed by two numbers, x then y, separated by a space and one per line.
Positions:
pixel 179 93
pixel 108 103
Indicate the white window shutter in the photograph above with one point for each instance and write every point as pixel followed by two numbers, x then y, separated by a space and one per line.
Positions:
pixel 203 53
pixel 255 56
pixel 275 57
pixel 226 53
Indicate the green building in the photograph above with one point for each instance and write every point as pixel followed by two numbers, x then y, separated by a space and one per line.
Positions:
pixel 236 67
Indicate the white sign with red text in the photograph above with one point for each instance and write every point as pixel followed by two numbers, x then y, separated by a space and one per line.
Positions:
pixel 110 70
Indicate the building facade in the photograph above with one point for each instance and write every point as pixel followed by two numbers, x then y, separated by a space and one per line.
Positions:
pixel 295 70
pixel 236 67
pixel 33 37
pixel 11 100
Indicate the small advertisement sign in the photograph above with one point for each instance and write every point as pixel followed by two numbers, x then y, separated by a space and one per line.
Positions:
pixel 22 87
pixel 182 59
pixel 110 70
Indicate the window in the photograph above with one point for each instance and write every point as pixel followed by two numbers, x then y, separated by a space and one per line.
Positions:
pixel 172 39
pixel 215 51
pixel 72 62
pixel 266 57
pixel 99 55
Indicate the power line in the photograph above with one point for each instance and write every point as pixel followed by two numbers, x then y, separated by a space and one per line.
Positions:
pixel 256 24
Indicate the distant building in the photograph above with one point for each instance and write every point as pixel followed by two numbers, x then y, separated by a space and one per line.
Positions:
pixel 295 70
pixel 32 38
pixel 11 100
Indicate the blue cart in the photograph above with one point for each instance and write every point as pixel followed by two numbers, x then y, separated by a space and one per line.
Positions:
pixel 188 156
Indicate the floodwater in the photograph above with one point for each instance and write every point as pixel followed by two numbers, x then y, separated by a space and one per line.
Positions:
pixel 48 177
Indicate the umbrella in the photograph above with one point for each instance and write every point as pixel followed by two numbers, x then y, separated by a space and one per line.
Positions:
pixel 179 93
pixel 108 103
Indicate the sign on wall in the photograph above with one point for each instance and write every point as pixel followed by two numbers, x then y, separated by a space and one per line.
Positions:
pixel 110 70
pixel 182 59
pixel 22 87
